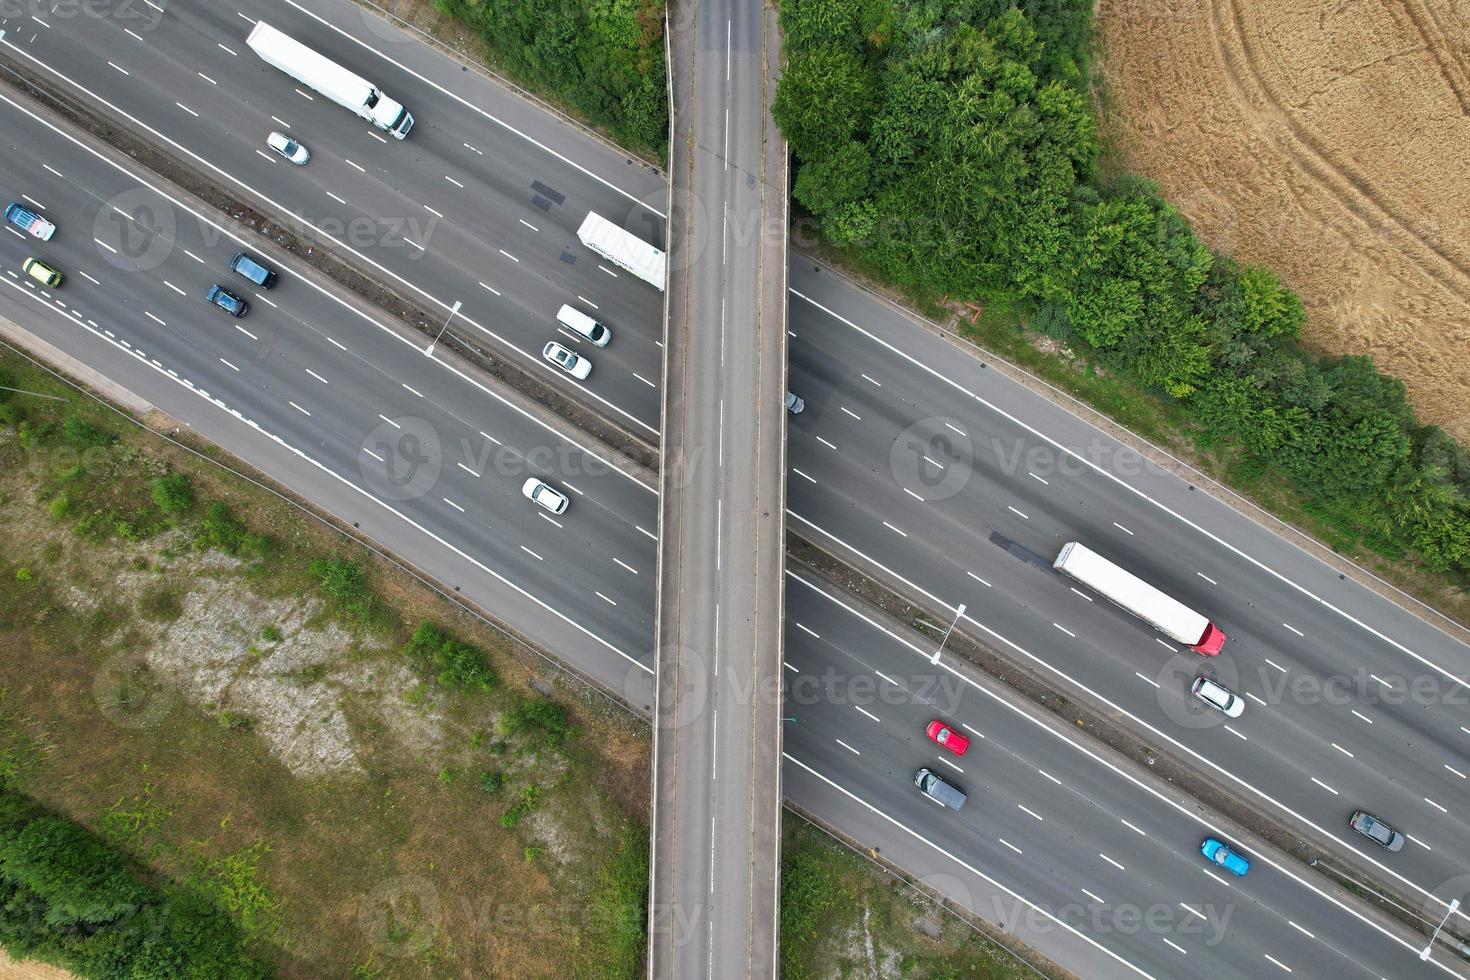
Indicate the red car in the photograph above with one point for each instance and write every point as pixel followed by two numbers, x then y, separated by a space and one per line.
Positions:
pixel 941 733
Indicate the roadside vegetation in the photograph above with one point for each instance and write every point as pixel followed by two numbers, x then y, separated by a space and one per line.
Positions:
pixel 604 60
pixel 952 150
pixel 234 745
pixel 841 917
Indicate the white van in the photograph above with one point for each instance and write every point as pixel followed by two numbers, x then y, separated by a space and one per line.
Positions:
pixel 580 323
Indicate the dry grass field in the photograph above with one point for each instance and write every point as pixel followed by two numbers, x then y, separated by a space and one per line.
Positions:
pixel 1327 139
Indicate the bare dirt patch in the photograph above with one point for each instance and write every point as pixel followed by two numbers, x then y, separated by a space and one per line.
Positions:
pixel 1327 141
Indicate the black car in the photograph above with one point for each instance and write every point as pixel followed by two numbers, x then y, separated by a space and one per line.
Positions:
pixel 227 301
pixel 251 268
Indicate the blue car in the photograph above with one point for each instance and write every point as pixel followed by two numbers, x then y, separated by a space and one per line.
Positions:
pixel 227 301
pixel 1217 852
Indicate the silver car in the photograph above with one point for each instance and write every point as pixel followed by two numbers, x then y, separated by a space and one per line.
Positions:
pixel 545 495
pixel 1377 831
pixel 288 148
pixel 572 363
pixel 1218 696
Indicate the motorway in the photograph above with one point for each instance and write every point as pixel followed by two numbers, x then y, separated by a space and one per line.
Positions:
pixel 716 824
pixel 1402 760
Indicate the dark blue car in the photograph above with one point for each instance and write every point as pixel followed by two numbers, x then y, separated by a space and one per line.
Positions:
pixel 227 301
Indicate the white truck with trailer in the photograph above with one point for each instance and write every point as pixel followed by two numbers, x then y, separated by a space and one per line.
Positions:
pixel 624 249
pixel 1165 614
pixel 327 78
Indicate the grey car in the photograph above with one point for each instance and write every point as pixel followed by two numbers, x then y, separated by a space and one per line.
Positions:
pixel 938 790
pixel 1376 830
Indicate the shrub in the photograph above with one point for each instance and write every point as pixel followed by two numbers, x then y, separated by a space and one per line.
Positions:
pixel 219 530
pixel 541 716
pixel 172 494
pixel 344 581
pixel 461 666
pixel 82 433
pixel 59 507
pixel 271 633
pixel 492 782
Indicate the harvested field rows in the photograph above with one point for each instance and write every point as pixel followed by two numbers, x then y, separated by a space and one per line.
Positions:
pixel 1327 140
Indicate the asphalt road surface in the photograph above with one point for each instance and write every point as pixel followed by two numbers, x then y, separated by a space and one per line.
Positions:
pixel 722 543
pixel 1043 848
pixel 1378 744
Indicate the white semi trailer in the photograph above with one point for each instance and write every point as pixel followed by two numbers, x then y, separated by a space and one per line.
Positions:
pixel 325 77
pixel 1167 615
pixel 623 249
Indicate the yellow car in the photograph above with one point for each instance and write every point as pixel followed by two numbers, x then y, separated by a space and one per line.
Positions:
pixel 41 272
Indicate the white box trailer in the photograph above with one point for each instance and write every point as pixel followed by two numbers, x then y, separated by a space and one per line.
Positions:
pixel 325 77
pixel 1165 614
pixel 623 249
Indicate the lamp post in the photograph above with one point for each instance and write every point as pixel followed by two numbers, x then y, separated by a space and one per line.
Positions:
pixel 1424 953
pixel 957 614
pixel 429 351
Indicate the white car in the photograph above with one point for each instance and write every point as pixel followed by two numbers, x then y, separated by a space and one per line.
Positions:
pixel 542 493
pixel 288 148
pixel 572 363
pixel 1218 696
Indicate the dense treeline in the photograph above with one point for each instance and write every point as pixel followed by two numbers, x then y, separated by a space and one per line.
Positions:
pixel 951 147
pixel 69 898
pixel 604 58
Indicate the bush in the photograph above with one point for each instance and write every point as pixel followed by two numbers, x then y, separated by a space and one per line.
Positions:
pixel 541 716
pixel 59 507
pixel 82 433
pixel 492 782
pixel 461 667
pixel 220 530
pixel 172 494
pixel 345 582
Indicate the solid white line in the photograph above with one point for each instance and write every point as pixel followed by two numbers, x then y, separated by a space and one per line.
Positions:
pixel 228 364
pixel 979 579
pixel 914 495
pixel 604 598
pixel 608 271
pixel 281 121
pixel 808 630
pixel 299 409
pixel 1013 510
pixel 1111 861
pixel 413 243
pixel 154 319
pixel 532 553
pixel 1065 630
pixel 1207 578
pixel 1274 664
pixel 1294 629
pixel 866 712
pixel 1094 896
pixel 356 166
pixel 268 157
pixel 373 455
pixel 801 474
pixel 948 425
pixel 437 214
pixel 1088 598
pixel 932 461
pixel 1237 734
pixel 1146 680
pixel 389 421
pixel 468 147
pixel 339 200
pixel 213 82
pixel 492 289
pixel 646 533
pixel 1024 809
pixel 1166 645
pixel 1010 845
pixel 528 224
pixel 1361 715
pixel 950 764
pixel 548 519
pixel 174 288
pixel 1324 786
pixel 1050 776
pixel 825 443
pixel 467 469
pixel 1277 962
pixel 1435 805
pixel 1380 680
pixel 972 731
pixel 1175 945
pixel 454 182
pixel 187 109
pixel 644 380
pixel 412 391
pixel 317 376
pixel 306 95
pixel 892 528
pixel 1121 528
pixel 855 415
pixel 508 255
pixel 1036 478
pixel 1300 929
pixel 1454 770
pixel 119 68
pixel 1188 908
pixel 226 50
pixel 1131 827
pixel 630 568
pixel 452 504
pixel 1341 749
pixel 878 383
pixel 336 344
pixel 97 240
pixel 846 746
